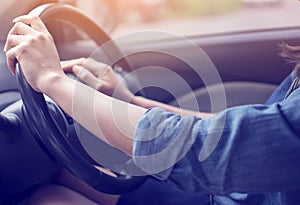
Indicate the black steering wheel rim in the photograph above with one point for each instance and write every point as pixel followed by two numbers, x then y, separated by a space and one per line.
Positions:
pixel 35 107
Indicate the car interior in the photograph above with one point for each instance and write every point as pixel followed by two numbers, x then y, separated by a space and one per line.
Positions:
pixel 246 64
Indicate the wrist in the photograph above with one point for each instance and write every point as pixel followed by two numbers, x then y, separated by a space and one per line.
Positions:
pixel 49 81
pixel 134 100
pixel 137 100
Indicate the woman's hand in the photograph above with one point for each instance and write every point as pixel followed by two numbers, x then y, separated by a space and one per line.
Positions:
pixel 30 44
pixel 99 76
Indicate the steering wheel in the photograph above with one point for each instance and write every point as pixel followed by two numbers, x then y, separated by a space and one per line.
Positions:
pixel 47 130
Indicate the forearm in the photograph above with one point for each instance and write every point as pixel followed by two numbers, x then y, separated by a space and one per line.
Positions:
pixel 95 111
pixel 147 103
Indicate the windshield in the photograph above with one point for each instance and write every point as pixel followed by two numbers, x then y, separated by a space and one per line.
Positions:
pixel 191 17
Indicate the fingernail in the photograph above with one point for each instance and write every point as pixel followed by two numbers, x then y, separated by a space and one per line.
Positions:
pixel 76 69
pixel 14 20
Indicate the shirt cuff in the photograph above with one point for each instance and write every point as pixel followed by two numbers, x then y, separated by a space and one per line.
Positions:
pixel 161 140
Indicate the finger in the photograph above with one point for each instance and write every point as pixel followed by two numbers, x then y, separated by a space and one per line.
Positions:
pixel 86 76
pixel 11 59
pixel 20 28
pixel 106 171
pixel 69 64
pixel 33 21
pixel 12 41
pixel 95 67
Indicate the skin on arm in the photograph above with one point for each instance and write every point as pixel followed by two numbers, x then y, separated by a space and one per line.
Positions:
pixel 30 43
pixel 101 120
pixel 32 46
pixel 101 77
pixel 148 103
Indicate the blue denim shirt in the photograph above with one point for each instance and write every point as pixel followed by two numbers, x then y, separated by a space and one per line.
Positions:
pixel 253 149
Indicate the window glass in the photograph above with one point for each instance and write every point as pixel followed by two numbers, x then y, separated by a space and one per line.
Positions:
pixel 191 17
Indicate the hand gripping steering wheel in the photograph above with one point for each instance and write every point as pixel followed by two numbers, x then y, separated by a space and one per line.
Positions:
pixel 46 129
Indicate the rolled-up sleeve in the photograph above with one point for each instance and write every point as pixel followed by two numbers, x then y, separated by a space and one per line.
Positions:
pixel 246 149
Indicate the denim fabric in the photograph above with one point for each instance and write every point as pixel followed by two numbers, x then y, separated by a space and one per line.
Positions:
pixel 279 94
pixel 154 192
pixel 258 151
